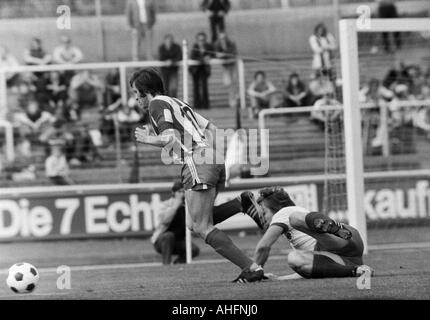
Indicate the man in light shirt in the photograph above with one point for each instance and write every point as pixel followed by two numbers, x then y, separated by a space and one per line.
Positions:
pixel 141 17
pixel 66 52
pixel 56 167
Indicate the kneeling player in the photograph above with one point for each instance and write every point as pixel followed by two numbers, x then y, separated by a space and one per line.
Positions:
pixel 323 248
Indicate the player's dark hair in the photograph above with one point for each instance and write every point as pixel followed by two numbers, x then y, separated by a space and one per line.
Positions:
pixel 275 198
pixel 148 81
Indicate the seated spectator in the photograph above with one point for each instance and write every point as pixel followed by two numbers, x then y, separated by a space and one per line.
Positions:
pixel 171 52
pixel 56 167
pixel 422 119
pixel 57 92
pixel 8 60
pixel 67 53
pixel 225 49
pixel 128 117
pixel 35 125
pixel 296 93
pixel 396 75
pixel 319 86
pixel 375 92
pixel 35 55
pixel 112 87
pixel 86 90
pixel 169 235
pixel 321 117
pixel 260 91
pixel 323 45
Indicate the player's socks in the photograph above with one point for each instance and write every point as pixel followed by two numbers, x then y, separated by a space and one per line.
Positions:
pixel 323 224
pixel 226 210
pixel 225 247
pixel 252 208
pixel 325 267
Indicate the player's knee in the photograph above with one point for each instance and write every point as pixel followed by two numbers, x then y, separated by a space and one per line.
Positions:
pixel 200 228
pixel 296 259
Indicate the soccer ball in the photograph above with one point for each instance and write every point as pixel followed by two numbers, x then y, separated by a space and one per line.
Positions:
pixel 22 278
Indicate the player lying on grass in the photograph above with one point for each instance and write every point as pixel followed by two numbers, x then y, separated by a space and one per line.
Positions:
pixel 168 117
pixel 322 247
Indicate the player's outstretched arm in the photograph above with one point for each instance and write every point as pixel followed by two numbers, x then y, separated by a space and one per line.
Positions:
pixel 265 244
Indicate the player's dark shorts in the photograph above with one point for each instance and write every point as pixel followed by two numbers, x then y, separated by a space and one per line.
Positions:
pixel 203 176
pixel 352 253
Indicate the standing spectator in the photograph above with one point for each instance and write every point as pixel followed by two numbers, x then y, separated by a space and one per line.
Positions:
pixel 388 9
pixel 322 44
pixel 170 52
pixel 201 51
pixel 169 236
pixel 295 93
pixel 8 60
pixel 226 49
pixel 35 55
pixel 260 91
pixel 56 167
pixel 141 17
pixel 216 10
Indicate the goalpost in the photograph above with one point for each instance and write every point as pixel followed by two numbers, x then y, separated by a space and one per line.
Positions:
pixel 349 29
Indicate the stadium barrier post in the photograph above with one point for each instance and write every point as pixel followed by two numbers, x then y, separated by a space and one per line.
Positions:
pixel 242 90
pixel 352 127
pixel 10 151
pixel 3 94
pixel 384 129
pixel 188 247
pixel 117 147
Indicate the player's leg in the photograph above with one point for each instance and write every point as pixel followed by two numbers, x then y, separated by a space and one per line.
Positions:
pixel 226 210
pixel 329 233
pixel 320 264
pixel 200 206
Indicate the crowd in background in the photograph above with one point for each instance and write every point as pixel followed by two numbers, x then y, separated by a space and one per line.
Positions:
pixel 48 107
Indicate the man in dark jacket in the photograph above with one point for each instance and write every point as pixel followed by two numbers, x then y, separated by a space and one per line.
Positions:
pixel 169 51
pixel 202 51
pixel 387 10
pixel 216 10
pixel 141 17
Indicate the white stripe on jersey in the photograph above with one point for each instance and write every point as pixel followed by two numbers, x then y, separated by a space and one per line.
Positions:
pixel 193 124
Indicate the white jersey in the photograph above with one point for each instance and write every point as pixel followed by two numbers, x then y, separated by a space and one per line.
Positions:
pixel 297 239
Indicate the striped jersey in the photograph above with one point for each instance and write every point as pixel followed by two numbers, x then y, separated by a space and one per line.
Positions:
pixel 171 113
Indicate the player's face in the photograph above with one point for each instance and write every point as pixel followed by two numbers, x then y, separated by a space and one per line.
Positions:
pixel 268 213
pixel 142 101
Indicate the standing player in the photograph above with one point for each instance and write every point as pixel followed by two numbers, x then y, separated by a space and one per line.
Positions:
pixel 323 248
pixel 170 117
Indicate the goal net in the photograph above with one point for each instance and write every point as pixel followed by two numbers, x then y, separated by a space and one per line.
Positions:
pixel 386 109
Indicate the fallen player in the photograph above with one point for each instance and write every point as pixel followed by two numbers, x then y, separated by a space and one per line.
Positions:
pixel 322 247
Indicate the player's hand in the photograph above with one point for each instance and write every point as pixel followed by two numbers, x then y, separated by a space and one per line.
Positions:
pixel 141 134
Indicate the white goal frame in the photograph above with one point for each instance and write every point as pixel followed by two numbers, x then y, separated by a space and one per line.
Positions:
pixel 348 31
